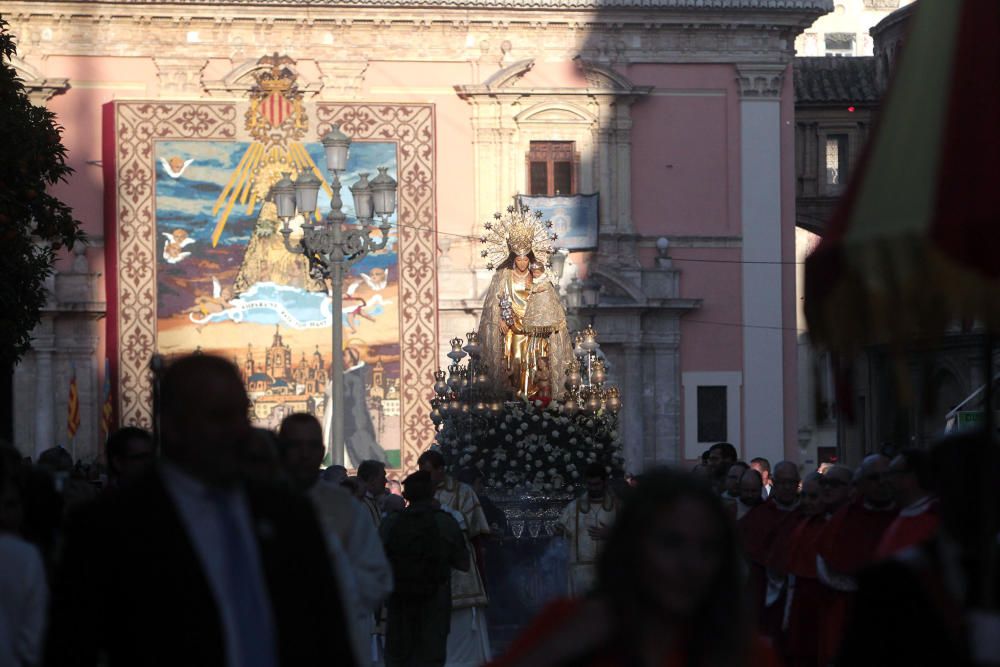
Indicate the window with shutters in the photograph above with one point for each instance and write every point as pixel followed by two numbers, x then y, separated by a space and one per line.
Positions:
pixel 552 168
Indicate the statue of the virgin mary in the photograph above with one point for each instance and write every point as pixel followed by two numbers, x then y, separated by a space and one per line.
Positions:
pixel 522 354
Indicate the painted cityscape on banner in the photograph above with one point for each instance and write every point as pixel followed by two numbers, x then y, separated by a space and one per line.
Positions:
pixel 248 299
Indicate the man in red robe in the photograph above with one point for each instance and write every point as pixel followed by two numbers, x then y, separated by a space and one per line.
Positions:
pixel 794 557
pixel 848 543
pixel 911 477
pixel 760 529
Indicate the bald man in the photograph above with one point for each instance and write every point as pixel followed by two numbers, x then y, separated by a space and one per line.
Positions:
pixel 849 543
pixel 796 560
pixel 192 565
pixel 761 529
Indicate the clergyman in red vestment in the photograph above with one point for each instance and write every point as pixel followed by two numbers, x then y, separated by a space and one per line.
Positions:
pixel 760 529
pixel 911 477
pixel 848 544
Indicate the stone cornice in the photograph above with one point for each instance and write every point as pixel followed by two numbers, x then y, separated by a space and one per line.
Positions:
pixel 658 31
pixel 816 7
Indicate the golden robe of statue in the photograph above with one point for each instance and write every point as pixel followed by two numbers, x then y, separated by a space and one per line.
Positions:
pixel 523 322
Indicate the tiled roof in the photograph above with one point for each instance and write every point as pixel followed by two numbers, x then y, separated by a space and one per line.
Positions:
pixel 835 80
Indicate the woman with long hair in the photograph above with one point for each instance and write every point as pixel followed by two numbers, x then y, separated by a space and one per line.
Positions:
pixel 668 591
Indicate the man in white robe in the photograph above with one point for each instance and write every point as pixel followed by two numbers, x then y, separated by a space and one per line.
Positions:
pixel 586 522
pixel 355 547
pixel 468 639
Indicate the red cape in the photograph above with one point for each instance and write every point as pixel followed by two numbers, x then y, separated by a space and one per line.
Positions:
pixel 849 541
pixel 804 545
pixel 909 530
pixel 761 526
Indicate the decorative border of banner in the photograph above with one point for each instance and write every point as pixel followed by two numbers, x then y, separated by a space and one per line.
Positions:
pixel 130 128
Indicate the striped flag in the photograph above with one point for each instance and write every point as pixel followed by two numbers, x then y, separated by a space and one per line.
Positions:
pixel 108 408
pixel 912 245
pixel 73 408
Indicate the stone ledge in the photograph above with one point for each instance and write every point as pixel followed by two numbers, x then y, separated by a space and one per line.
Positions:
pixel 817 6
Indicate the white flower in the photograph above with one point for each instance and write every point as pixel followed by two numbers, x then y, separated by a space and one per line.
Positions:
pixel 567 458
pixel 538 463
pixel 503 427
pixel 524 426
pixel 548 487
pixel 572 441
pixel 472 448
pixel 555 434
pixel 496 464
pixel 574 474
pixel 571 430
pixel 517 432
pixel 527 457
pixel 534 418
pixel 509 438
pixel 552 471
pixel 614 435
pixel 590 423
pixel 480 463
pixel 493 431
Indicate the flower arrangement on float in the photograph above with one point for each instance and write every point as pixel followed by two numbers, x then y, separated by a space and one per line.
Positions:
pixel 523 445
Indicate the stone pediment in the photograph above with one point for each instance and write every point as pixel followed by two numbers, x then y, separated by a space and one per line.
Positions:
pixel 554 112
pixel 239 81
pixel 39 88
pixel 600 79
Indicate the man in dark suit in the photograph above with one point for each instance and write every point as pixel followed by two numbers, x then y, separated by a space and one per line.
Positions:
pixel 189 566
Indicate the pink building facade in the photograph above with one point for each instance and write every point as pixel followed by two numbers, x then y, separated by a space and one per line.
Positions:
pixel 678 113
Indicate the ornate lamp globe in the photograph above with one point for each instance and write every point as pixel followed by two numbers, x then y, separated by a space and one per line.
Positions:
pixel 284 197
pixel 306 192
pixel 574 294
pixel 337 145
pixel 363 198
pixel 591 292
pixel 384 192
pixel 558 261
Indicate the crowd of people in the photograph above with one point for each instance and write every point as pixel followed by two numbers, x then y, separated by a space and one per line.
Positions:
pixel 230 546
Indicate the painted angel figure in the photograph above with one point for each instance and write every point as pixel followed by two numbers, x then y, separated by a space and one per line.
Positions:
pixel 206 306
pixel 523 320
pixel 173 249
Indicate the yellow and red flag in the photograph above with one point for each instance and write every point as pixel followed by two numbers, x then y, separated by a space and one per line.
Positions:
pixel 73 409
pixel 912 245
pixel 108 408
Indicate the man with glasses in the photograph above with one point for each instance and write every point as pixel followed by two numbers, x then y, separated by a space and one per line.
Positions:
pixel 835 488
pixel 848 544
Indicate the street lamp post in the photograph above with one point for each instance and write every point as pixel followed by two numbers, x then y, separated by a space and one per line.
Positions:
pixel 330 249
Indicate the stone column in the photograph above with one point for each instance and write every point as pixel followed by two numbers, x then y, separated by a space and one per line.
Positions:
pixel 44 397
pixel 623 169
pixel 760 214
pixel 630 418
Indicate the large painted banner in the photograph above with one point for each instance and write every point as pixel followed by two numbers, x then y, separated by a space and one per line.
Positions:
pixel 574 218
pixel 198 263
